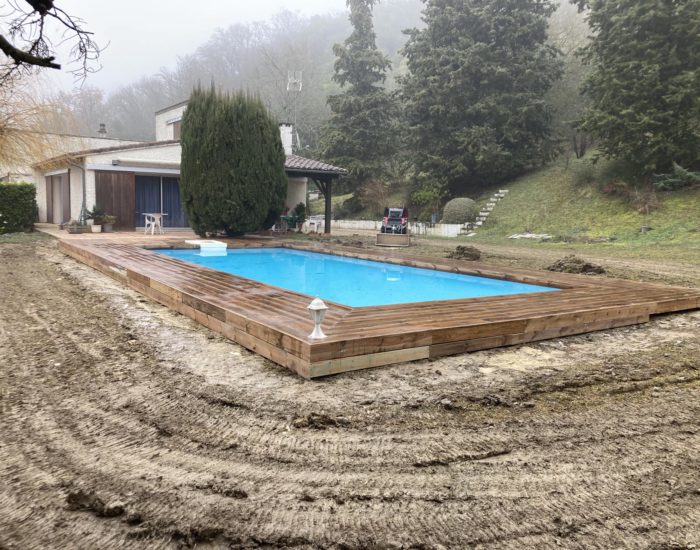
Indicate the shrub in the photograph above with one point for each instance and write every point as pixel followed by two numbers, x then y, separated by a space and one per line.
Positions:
pixel 17 207
pixel 680 178
pixel 232 168
pixel 300 211
pixel 459 210
pixel 97 215
pixel 584 172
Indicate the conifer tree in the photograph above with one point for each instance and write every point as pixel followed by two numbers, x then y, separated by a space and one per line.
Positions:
pixel 475 94
pixel 644 83
pixel 232 167
pixel 360 132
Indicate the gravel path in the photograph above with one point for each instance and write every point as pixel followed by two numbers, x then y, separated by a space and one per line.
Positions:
pixel 124 425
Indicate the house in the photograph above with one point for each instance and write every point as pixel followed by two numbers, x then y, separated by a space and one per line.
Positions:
pixel 129 179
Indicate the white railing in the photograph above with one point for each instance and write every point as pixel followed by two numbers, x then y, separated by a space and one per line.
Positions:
pixel 416 228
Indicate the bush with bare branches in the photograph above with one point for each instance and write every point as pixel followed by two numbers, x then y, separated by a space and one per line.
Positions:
pixel 24 119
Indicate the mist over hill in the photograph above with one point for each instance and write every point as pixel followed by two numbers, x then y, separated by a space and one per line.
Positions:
pixel 254 57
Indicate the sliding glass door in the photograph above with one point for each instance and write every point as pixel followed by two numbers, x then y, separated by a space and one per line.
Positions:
pixel 159 194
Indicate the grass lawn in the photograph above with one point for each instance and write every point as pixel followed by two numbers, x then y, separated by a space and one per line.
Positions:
pixel 318 206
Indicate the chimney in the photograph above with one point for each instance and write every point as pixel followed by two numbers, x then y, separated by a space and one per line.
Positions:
pixel 286 133
pixel 102 132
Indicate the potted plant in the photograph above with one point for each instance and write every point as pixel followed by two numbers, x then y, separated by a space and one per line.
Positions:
pixel 299 214
pixel 73 226
pixel 97 214
pixel 108 222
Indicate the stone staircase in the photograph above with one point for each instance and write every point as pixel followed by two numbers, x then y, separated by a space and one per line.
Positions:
pixel 469 229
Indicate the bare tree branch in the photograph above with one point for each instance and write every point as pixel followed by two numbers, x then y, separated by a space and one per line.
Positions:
pixel 30 45
pixel 22 57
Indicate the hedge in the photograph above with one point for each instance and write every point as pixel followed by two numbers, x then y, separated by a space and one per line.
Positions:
pixel 17 207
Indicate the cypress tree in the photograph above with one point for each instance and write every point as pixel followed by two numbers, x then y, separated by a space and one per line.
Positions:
pixel 643 86
pixel 475 93
pixel 232 168
pixel 360 132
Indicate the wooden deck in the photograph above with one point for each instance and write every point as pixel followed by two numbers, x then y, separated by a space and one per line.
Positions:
pixel 275 322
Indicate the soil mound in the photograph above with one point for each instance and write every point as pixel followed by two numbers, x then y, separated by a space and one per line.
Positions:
pixel 469 253
pixel 574 264
pixel 87 500
pixel 317 421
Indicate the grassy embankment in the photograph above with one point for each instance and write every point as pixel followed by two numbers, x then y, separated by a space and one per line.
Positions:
pixel 567 203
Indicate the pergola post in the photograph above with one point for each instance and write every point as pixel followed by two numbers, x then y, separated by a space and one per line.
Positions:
pixel 322 175
pixel 328 195
pixel 325 186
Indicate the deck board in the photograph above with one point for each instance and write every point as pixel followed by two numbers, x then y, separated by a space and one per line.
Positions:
pixel 275 322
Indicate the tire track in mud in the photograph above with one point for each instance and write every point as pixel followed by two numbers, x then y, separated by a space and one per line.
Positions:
pixel 202 441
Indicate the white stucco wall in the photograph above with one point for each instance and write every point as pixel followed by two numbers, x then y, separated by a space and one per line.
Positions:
pixel 164 131
pixel 162 153
pixel 76 193
pixel 40 183
pixel 435 230
pixel 90 195
pixel 296 192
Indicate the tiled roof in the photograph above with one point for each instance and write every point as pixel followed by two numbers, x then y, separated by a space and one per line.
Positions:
pixel 114 148
pixel 295 163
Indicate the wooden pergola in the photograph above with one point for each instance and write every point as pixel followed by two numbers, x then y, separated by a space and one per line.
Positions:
pixel 321 174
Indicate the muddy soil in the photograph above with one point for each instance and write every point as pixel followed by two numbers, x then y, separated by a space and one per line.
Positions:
pixel 123 425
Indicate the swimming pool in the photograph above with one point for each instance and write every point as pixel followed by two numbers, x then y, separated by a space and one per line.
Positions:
pixel 351 281
pixel 274 322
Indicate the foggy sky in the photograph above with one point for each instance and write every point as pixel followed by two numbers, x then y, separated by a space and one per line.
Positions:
pixel 145 35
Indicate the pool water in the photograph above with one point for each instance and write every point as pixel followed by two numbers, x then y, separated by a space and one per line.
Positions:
pixel 350 281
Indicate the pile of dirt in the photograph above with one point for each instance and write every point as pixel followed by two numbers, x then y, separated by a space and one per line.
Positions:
pixel 469 253
pixel 317 421
pixel 583 239
pixel 88 500
pixel 574 264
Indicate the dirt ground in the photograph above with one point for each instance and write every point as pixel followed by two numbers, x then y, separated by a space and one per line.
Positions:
pixel 123 425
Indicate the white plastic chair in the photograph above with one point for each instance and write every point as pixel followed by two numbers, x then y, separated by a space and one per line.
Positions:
pixel 152 223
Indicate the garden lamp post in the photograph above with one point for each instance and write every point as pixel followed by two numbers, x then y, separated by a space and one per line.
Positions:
pixel 317 309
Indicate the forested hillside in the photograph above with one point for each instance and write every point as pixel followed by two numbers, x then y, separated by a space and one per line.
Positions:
pixel 436 99
pixel 253 57
pixel 257 57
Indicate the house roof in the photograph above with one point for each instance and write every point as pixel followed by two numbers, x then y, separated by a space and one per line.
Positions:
pixel 114 148
pixel 295 163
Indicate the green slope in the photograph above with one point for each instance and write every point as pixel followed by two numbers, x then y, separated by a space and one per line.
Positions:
pixel 553 201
